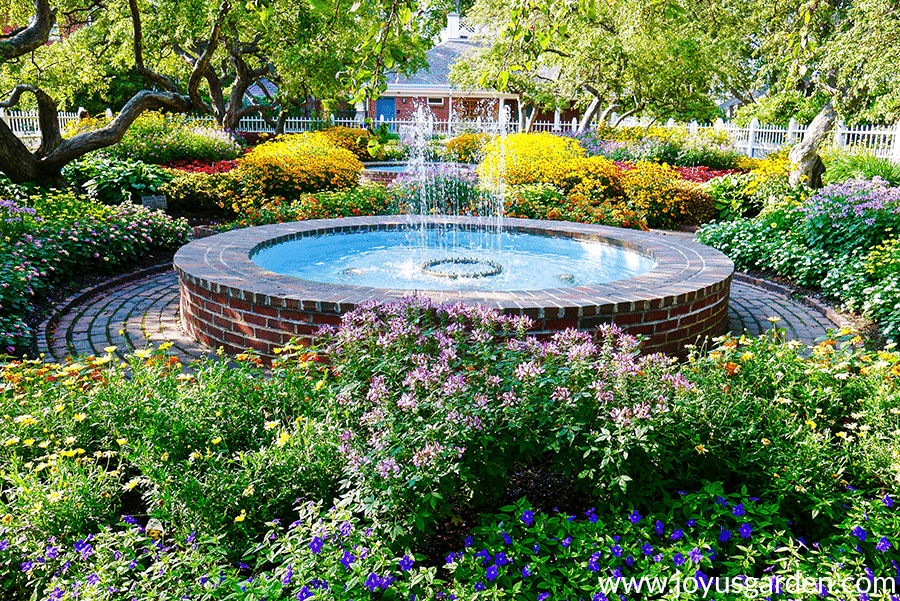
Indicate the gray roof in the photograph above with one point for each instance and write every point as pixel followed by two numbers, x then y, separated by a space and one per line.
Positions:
pixel 440 60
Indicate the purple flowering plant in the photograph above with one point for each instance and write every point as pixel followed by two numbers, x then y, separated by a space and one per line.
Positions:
pixel 437 403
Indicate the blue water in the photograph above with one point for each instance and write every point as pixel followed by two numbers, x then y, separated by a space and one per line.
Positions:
pixel 394 259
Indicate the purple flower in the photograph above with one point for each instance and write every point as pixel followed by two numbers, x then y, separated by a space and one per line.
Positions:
pixel 887 501
pixel 647 549
pixel 479 586
pixel 616 550
pixel 27 565
pixel 738 509
pixel 883 545
pixel 347 559
pixel 526 571
pixel 543 597
pixel 658 526
pixel 859 533
pixel 527 518
pixel 288 575
pixel 406 563
pixel 635 517
pixel 507 538
pixel 678 534
pixel 745 530
pixel 316 544
pixel 691 523
pixel 469 541
pixel 695 555
pixel 566 542
pixel 678 559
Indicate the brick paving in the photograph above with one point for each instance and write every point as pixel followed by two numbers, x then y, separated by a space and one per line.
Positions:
pixel 144 311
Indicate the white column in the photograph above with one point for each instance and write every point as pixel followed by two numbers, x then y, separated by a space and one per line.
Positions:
pixel 556 124
pixel 791 131
pixel 839 130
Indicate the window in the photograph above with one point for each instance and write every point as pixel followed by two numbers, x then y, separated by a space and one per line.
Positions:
pixel 435 102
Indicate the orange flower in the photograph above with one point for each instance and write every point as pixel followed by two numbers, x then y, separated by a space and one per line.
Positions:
pixel 732 368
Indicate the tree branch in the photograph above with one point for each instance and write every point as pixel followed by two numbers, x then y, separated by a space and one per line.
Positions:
pixel 32 37
pixel 81 144
pixel 201 66
pixel 160 80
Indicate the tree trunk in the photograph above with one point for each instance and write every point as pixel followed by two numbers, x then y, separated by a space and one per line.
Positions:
pixel 589 114
pixel 807 165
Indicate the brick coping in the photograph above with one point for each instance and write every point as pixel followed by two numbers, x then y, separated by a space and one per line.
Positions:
pixel 222 264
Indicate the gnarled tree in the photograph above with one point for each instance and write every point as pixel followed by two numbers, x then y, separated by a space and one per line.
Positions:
pixel 194 55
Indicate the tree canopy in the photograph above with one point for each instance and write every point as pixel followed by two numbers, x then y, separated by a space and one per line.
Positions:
pixel 197 55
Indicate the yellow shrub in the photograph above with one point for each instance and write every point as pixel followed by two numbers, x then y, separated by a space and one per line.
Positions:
pixel 525 158
pixel 353 139
pixel 295 164
pixel 466 148
pixel 667 200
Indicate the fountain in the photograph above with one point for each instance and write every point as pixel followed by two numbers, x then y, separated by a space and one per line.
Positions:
pixel 259 287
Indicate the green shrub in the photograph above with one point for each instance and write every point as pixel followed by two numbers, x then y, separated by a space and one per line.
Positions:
pixel 114 181
pixel 859 166
pixel 201 192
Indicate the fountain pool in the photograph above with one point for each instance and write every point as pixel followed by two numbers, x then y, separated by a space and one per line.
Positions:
pixel 677 291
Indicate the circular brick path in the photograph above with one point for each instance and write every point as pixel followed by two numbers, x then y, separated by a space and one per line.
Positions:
pixel 144 310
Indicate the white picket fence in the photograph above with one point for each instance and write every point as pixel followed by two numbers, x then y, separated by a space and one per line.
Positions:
pixel 755 140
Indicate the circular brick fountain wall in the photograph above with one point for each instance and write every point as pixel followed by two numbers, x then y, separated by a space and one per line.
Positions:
pixel 229 301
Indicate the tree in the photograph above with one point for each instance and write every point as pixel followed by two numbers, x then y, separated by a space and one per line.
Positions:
pixel 200 55
pixel 625 56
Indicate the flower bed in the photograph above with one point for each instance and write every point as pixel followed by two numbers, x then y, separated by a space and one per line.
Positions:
pixel 416 416
pixel 58 235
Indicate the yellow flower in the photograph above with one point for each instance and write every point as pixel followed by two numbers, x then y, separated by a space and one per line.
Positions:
pixel 143 353
pixel 54 497
pixel 165 346
pixel 766 442
pixel 811 424
pixel 241 517
pixel 165 457
pixel 282 440
pixel 69 440
pixel 28 442
pixel 248 491
pixel 11 441
pixel 320 385
pixel 271 425
pixel 25 420
pixel 701 450
pixel 774 319
pixel 79 417
pixel 60 408
pixel 44 444
pixel 217 440
pixel 111 349
pixel 121 441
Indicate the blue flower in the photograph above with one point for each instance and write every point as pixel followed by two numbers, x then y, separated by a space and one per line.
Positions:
pixel 635 517
pixel 616 550
pixel 485 556
pixel 566 542
pixel 617 574
pixel 528 518
pixel 859 533
pixel 691 523
pixel 695 555
pixel 658 526
pixel 678 559
pixel 745 530
pixel 536 547
pixel 543 597
pixel 647 549
pixel 526 571
pixel 500 558
pixel 678 534
pixel 288 575
pixel 316 544
pixel 27 565
pixel 658 558
pixel 347 559
pixel 883 545
pixel 406 563
pixel 887 501
pixel 469 541
pixel 738 509
pixel 450 558
pixel 593 564
pixel 373 582
pixel 721 501
pixel 479 586
pixel 305 594
pixel 506 538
